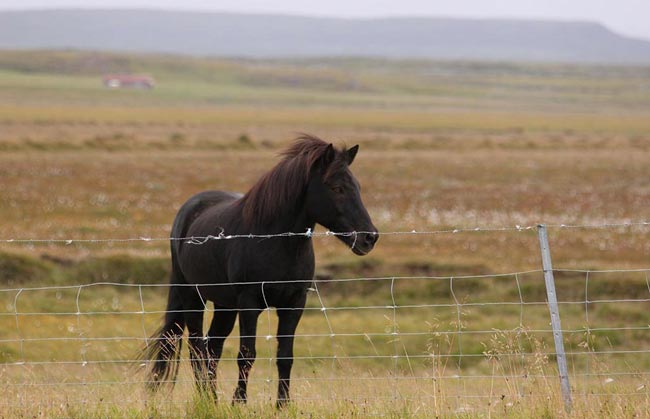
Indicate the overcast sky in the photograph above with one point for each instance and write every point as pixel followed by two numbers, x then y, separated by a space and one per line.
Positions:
pixel 627 17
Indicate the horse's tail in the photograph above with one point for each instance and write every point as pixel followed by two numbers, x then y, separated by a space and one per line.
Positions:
pixel 164 346
pixel 163 349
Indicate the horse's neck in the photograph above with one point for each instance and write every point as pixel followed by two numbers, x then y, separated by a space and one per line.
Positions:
pixel 290 218
pixel 293 220
pixel 295 248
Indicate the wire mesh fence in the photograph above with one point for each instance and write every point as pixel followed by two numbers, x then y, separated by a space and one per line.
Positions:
pixel 437 343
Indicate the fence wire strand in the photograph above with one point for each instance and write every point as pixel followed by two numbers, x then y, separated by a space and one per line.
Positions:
pixel 200 240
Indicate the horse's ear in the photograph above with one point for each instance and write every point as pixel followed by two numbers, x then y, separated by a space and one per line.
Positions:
pixel 352 153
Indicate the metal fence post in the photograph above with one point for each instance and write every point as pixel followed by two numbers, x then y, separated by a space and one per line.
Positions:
pixel 555 316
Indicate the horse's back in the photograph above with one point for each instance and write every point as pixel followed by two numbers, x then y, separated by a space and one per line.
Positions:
pixel 197 205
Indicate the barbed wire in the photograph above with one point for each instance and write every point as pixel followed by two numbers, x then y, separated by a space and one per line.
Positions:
pixel 278 282
pixel 341 378
pixel 488 402
pixel 321 280
pixel 199 240
pixel 332 334
pixel 466 405
pixel 362 356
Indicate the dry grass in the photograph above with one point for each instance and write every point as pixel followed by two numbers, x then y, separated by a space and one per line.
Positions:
pixel 505 368
pixel 458 147
pixel 504 385
pixel 95 194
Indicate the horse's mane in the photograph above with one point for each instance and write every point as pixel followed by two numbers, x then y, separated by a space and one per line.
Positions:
pixel 287 180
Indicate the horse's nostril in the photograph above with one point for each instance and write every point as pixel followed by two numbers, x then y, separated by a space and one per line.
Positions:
pixel 371 238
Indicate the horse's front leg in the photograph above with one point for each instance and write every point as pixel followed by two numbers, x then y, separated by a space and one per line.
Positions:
pixel 248 315
pixel 221 326
pixel 288 319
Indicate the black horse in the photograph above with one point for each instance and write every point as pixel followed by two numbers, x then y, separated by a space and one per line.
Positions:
pixel 243 276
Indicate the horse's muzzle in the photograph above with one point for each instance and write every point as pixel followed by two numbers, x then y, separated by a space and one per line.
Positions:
pixel 364 242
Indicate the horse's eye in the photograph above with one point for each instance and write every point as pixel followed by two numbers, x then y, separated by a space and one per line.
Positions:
pixel 337 190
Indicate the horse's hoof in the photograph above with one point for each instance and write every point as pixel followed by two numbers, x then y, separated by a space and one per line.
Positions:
pixel 239 397
pixel 281 403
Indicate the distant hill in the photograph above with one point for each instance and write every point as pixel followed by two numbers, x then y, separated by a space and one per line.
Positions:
pixel 261 36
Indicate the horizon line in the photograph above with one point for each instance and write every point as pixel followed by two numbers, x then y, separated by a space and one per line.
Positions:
pixel 530 19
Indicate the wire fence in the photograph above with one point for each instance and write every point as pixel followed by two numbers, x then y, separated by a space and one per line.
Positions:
pixel 441 343
pixel 223 235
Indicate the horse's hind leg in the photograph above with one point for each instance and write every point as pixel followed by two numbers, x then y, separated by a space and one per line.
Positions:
pixel 221 326
pixel 248 315
pixel 194 307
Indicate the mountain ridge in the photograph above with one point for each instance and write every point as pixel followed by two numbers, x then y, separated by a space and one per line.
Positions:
pixel 295 36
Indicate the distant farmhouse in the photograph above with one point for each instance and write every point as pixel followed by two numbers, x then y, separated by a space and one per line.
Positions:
pixel 128 81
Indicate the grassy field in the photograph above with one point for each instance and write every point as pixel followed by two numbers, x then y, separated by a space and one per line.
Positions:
pixel 443 146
